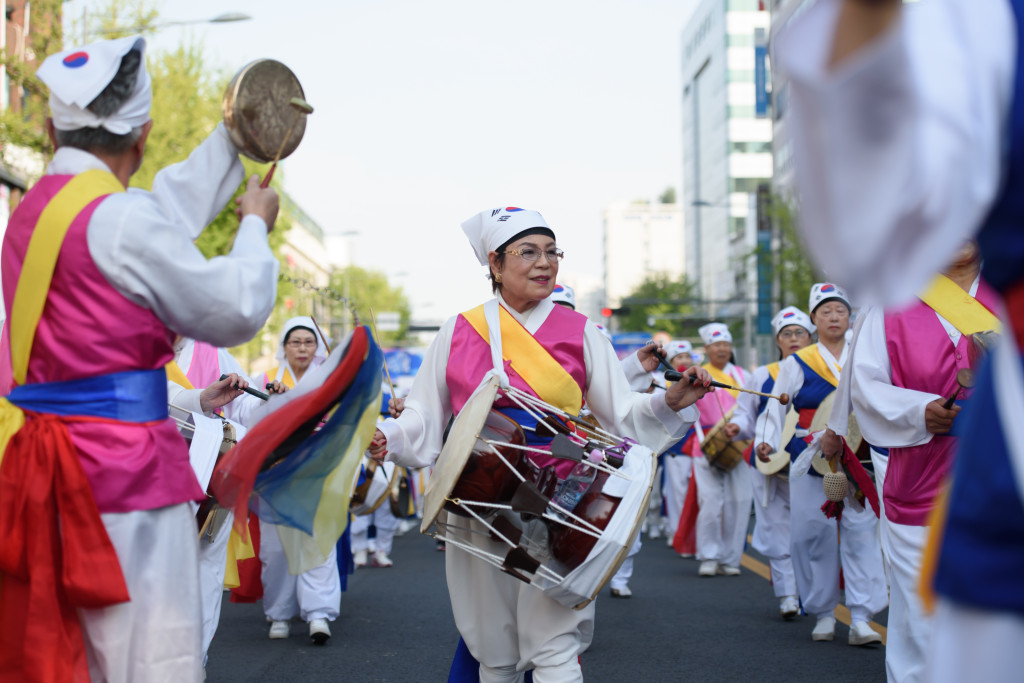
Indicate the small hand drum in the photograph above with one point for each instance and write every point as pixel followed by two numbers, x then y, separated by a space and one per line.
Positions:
pixel 258 113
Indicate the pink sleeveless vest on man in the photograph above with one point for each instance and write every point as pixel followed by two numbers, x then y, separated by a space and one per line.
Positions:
pixel 469 359
pixel 204 368
pixel 88 329
pixel 922 357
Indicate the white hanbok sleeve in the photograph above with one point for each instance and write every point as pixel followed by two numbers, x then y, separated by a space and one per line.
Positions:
pixel 643 417
pixel 769 422
pixel 888 416
pixel 898 149
pixel 638 378
pixel 142 242
pixel 240 409
pixel 184 401
pixel 414 439
pixel 746 405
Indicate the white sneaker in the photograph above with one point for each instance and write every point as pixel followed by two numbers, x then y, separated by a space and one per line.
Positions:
pixel 319 631
pixel 789 607
pixel 381 559
pixel 623 592
pixel 654 532
pixel 360 558
pixel 708 568
pixel 862 634
pixel 726 570
pixel 279 630
pixel 825 629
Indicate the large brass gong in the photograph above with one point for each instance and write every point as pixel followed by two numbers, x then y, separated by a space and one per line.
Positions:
pixel 257 112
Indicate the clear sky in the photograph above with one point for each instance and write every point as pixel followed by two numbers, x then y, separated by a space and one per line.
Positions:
pixel 429 112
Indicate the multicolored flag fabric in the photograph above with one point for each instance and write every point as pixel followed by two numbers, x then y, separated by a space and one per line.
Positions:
pixel 296 475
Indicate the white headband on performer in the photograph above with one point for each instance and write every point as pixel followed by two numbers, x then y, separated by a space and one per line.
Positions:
pixel 714 332
pixel 791 315
pixel 674 348
pixel 490 229
pixel 77 76
pixel 307 322
pixel 824 291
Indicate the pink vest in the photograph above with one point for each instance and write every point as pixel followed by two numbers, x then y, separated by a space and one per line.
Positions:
pixel 715 405
pixel 204 368
pixel 922 358
pixel 87 329
pixel 469 359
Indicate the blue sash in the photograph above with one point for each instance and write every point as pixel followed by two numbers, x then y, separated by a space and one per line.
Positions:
pixel 132 396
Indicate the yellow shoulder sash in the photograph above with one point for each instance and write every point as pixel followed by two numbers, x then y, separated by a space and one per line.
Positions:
pixel 41 259
pixel 810 355
pixel 176 375
pixel 722 377
pixel 773 370
pixel 531 361
pixel 962 310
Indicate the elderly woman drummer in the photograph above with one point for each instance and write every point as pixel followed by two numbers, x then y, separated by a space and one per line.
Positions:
pixel 510 626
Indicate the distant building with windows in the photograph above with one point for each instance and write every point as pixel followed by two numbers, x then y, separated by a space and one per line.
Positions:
pixel 640 240
pixel 727 148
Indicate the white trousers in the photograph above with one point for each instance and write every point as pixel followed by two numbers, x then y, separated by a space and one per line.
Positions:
pixel 654 521
pixel 315 594
pixel 213 558
pixel 975 645
pixel 508 625
pixel 910 627
pixel 155 636
pixel 724 516
pixel 625 573
pixel 771 530
pixel 818 554
pixel 677 482
pixel 385 522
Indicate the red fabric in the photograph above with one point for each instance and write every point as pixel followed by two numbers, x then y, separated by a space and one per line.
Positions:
pixel 860 477
pixel 55 557
pixel 1015 311
pixel 250 580
pixel 685 540
pixel 805 417
pixel 236 473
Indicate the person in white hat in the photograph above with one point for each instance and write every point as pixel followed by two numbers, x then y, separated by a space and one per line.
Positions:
pixel 510 626
pixel 809 376
pixel 793 331
pixel 676 461
pixel 724 498
pixel 89 265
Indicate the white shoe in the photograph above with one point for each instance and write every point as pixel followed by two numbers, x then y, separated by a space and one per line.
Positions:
pixel 654 532
pixel 825 629
pixel 708 568
pixel 360 558
pixel 789 607
pixel 862 634
pixel 279 630
pixel 319 631
pixel 623 592
pixel 726 570
pixel 381 559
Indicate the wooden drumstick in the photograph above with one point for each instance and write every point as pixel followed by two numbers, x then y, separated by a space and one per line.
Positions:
pixel 965 378
pixel 675 376
pixel 253 392
pixel 302 108
pixel 327 349
pixel 373 321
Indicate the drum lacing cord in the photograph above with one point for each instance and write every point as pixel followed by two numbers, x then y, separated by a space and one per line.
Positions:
pixel 602 466
pixel 550 574
pixel 531 404
pixel 497 561
pixel 585 526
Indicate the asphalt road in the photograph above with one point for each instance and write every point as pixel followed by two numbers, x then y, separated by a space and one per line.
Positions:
pixel 396 625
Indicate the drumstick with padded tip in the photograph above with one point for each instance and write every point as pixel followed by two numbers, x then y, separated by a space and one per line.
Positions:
pixel 302 108
pixel 965 378
pixel 675 376
pixel 254 392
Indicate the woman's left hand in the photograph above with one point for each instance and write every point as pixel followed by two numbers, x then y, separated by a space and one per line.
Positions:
pixel 649 356
pixel 221 392
pixel 378 446
pixel 695 383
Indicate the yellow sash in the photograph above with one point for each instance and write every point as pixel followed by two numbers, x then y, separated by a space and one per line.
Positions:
pixel 810 355
pixel 773 370
pixel 531 361
pixel 41 258
pixel 724 378
pixel 175 374
pixel 962 310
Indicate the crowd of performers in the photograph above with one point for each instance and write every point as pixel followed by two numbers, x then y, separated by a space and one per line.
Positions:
pixel 101 567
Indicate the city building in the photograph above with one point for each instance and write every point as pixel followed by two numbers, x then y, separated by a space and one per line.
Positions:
pixel 640 239
pixel 727 154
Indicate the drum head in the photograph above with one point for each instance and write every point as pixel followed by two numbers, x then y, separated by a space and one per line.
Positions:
pixel 456 451
pixel 780 458
pixel 820 422
pixel 258 113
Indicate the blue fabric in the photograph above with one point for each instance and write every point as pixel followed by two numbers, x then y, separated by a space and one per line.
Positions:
pixel 132 396
pixel 528 422
pixel 811 394
pixel 346 563
pixel 982 558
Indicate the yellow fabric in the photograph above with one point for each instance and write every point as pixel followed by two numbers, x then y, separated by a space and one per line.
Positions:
pixel 174 374
pixel 238 549
pixel 724 378
pixel 962 310
pixel 286 378
pixel 41 259
pixel 773 370
pixel 810 355
pixel 532 361
pixel 930 560
pixel 11 420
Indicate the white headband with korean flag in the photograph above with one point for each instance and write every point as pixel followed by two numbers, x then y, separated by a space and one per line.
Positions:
pixel 791 315
pixel 564 294
pixel 77 76
pixel 824 291
pixel 714 332
pixel 490 229
pixel 674 348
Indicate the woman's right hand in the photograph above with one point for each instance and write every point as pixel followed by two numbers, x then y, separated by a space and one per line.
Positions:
pixel 276 387
pixel 378 446
pixel 396 406
pixel 764 452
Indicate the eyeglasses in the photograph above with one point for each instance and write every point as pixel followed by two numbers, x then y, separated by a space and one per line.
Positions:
pixel 793 334
pixel 298 344
pixel 531 255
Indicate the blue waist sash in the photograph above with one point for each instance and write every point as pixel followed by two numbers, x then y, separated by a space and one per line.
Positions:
pixel 132 396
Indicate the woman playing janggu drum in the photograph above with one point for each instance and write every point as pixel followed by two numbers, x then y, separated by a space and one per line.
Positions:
pixel 510 626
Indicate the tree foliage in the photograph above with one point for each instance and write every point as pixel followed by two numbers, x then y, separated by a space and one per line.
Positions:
pixel 793 270
pixel 668 196
pixel 660 300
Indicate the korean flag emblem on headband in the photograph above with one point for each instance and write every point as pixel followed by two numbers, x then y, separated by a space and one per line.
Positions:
pixel 714 332
pixel 826 291
pixel 791 315
pixel 492 228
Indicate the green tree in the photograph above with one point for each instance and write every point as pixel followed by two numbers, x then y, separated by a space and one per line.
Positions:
pixel 371 289
pixel 793 270
pixel 660 303
pixel 668 196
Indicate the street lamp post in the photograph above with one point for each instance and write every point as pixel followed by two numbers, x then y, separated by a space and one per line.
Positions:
pixel 225 18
